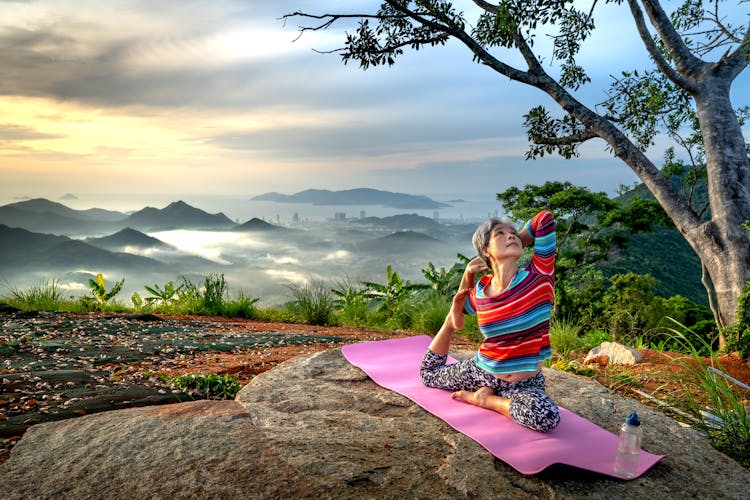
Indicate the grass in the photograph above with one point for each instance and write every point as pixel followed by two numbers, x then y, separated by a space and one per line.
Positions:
pixel 313 303
pixel 45 296
pixel 565 338
pixel 720 411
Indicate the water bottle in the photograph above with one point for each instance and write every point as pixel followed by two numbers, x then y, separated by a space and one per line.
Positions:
pixel 629 447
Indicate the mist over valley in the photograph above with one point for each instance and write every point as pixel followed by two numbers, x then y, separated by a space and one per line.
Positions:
pixel 42 240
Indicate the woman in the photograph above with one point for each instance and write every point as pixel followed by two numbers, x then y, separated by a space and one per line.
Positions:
pixel 513 307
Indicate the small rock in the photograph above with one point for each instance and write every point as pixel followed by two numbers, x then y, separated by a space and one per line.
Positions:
pixel 602 360
pixel 616 353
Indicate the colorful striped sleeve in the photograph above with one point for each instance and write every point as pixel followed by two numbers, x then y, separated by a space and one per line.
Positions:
pixel 542 228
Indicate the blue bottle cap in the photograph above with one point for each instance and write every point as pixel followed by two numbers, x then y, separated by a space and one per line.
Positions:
pixel 633 420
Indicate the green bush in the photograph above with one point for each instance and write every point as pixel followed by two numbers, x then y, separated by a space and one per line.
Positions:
pixel 241 307
pixel 312 303
pixel 209 386
pixel 45 296
pixel 214 294
pixel 594 338
pixel 392 296
pixel 565 339
pixel 433 309
pixel 351 304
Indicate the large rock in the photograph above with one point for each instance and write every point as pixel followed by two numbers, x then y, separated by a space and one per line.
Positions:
pixel 317 427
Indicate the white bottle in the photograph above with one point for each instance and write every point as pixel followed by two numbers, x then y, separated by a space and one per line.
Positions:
pixel 629 447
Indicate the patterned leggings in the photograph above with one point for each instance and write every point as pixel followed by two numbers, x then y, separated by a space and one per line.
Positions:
pixel 529 404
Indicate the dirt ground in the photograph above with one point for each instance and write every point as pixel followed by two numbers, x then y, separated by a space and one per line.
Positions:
pixel 658 380
pixel 248 364
pixel 659 374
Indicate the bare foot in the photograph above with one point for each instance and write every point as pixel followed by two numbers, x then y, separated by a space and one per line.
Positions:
pixel 476 398
pixel 484 397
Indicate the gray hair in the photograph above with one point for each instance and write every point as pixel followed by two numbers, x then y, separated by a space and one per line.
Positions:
pixel 481 236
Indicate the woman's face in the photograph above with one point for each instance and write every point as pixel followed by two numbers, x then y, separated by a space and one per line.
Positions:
pixel 503 244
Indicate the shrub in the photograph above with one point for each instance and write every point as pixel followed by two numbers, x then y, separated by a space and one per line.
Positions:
pixel 564 337
pixel 313 303
pixel 392 296
pixel 431 313
pixel 241 307
pixel 214 294
pixel 45 296
pixel 99 292
pixel 594 338
pixel 209 386
pixel 351 303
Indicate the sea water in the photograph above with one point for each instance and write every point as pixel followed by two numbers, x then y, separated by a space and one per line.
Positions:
pixel 463 207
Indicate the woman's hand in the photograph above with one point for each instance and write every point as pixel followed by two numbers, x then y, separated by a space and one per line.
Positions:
pixel 476 265
pixel 526 239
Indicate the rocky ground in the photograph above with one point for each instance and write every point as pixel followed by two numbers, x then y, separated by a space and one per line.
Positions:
pixel 59 365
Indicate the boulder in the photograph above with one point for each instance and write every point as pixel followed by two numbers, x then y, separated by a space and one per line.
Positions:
pixel 317 427
pixel 614 353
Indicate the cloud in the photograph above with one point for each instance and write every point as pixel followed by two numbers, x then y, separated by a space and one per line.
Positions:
pixel 218 95
pixel 12 132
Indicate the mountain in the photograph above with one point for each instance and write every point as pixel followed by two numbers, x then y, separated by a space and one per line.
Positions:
pixel 44 206
pixel 663 253
pixel 256 224
pixel 76 253
pixel 401 242
pixel 16 242
pixel 177 214
pixel 44 216
pixel 360 196
pixel 128 237
pixel 22 249
pixel 401 222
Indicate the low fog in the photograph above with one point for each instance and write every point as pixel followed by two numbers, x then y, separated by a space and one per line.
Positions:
pixel 261 264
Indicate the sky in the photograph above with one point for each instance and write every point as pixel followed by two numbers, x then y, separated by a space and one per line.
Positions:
pixel 221 97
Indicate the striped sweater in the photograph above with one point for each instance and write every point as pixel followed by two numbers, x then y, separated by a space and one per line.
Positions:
pixel 515 324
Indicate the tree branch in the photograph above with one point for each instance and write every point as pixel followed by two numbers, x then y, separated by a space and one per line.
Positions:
pixel 684 59
pixel 487 6
pixel 736 61
pixel 479 52
pixel 567 140
pixel 653 50
pixel 330 19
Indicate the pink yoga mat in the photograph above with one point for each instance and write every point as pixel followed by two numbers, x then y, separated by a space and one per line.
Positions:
pixel 394 364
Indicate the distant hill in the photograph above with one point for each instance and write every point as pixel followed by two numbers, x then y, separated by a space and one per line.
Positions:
pixel 44 216
pixel 22 249
pixel 401 222
pixel 256 224
pixel 177 214
pixel 664 254
pixel 16 243
pixel 401 242
pixel 128 237
pixel 76 253
pixel 360 197
pixel 44 206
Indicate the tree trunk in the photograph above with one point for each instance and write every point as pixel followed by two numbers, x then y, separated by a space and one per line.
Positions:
pixel 722 243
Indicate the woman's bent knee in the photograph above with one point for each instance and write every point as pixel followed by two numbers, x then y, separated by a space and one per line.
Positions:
pixel 535 411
